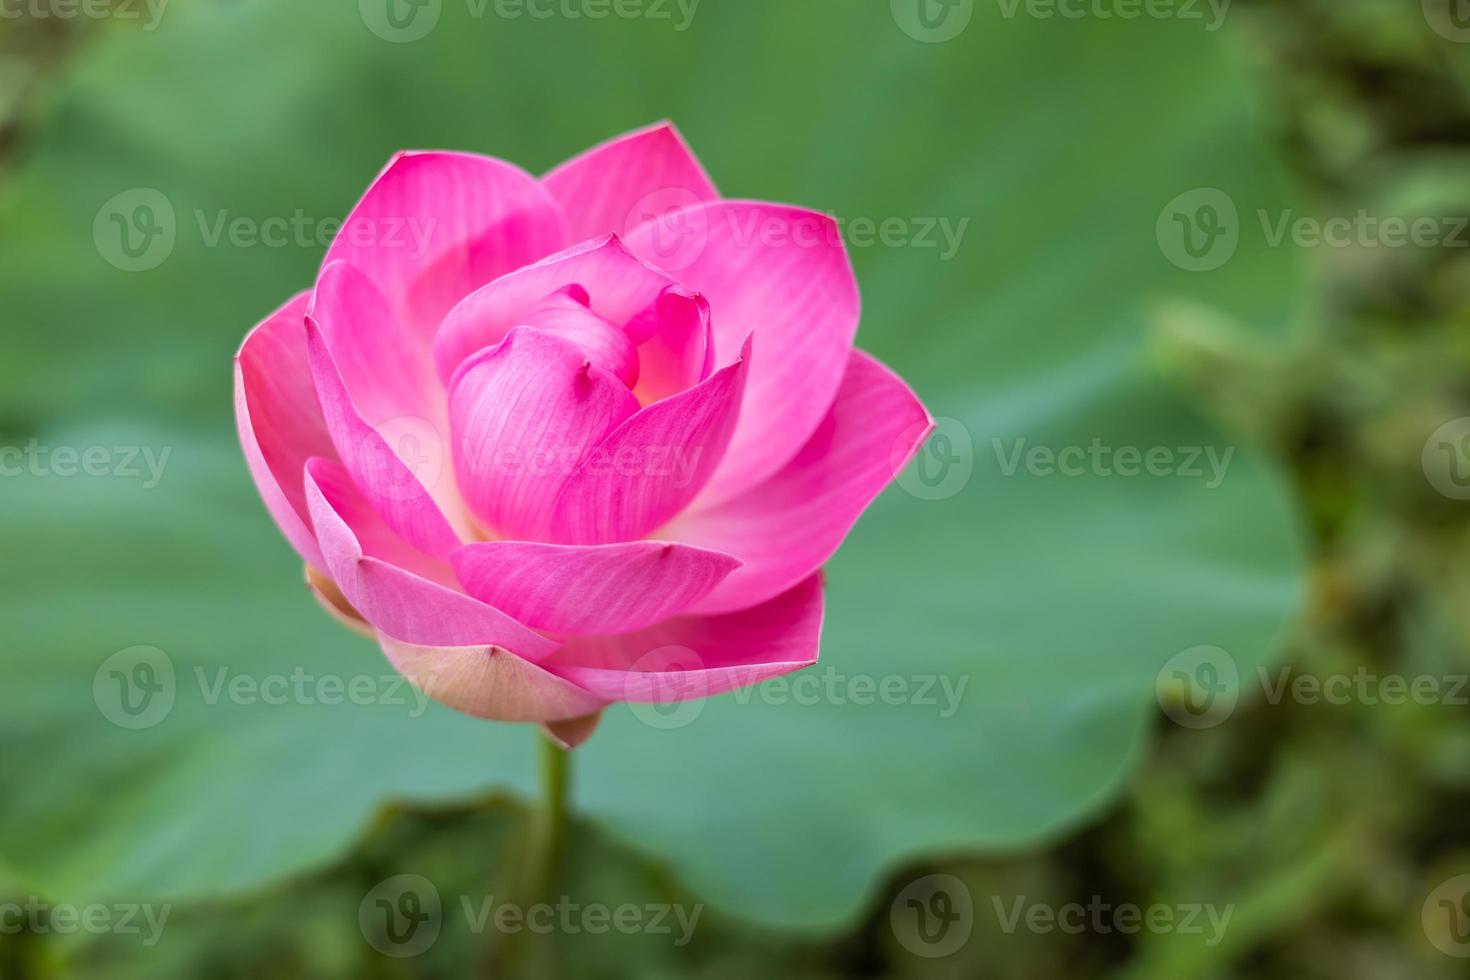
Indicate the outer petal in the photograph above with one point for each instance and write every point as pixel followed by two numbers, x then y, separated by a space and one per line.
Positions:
pixel 647 469
pixel 784 529
pixel 488 682
pixel 618 285
pixel 373 535
pixel 387 373
pixel 279 420
pixel 398 466
pixel 693 657
pixel 783 273
pixel 397 602
pixel 435 226
pixel 613 588
pixel 523 414
pixel 622 183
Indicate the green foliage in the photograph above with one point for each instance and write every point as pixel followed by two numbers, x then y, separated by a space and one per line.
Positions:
pixel 1054 600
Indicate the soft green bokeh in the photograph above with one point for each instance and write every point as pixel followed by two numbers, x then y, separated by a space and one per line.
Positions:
pixel 1054 600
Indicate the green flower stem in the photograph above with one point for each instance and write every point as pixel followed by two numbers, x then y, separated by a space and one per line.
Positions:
pixel 550 840
pixel 534 878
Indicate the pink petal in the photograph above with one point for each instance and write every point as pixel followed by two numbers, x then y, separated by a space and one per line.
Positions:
pixel 611 588
pixel 784 529
pixel 607 346
pixel 693 657
pixel 385 370
pixel 523 414
pixel 678 350
pixel 617 284
pixel 626 181
pixel 373 535
pixel 398 464
pixel 647 469
pixel 435 226
pixel 783 273
pixel 396 601
pixel 279 421
pixel 488 682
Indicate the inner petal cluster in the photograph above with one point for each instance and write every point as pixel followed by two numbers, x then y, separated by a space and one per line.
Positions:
pixel 544 416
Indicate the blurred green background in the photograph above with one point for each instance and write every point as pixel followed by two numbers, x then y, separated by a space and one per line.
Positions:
pixel 1133 195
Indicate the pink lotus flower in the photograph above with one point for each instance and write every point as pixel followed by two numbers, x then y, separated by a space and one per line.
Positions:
pixel 565 442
